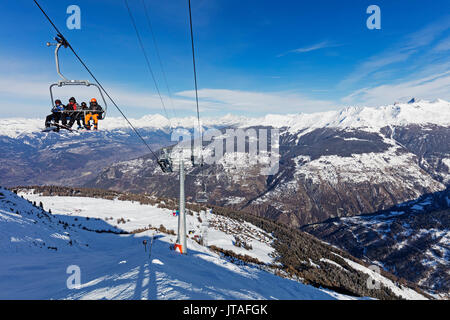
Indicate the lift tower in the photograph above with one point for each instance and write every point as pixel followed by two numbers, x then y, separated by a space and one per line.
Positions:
pixel 181 240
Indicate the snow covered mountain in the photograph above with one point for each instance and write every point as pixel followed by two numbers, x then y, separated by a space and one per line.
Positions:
pixel 419 112
pixel 29 156
pixel 67 158
pixel 103 237
pixel 411 239
pixel 358 160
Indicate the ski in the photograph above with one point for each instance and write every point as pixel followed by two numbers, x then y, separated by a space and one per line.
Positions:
pixel 57 126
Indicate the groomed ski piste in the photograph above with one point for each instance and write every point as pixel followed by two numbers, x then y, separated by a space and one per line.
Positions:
pixel 37 250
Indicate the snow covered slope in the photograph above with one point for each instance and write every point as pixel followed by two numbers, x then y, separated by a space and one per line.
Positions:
pixel 114 263
pixel 35 254
pixel 28 229
pixel 137 217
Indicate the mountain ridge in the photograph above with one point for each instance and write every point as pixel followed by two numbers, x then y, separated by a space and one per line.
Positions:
pixel 419 112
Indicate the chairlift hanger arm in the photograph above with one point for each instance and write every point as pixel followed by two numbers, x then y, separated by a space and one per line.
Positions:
pixel 58 45
pixel 61 41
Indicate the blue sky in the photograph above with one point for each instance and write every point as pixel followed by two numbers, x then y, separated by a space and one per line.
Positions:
pixel 253 57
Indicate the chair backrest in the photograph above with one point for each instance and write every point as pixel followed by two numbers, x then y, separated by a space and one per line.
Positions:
pixel 201 197
pixel 85 83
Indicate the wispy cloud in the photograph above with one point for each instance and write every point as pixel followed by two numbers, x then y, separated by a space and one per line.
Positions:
pixel 314 47
pixel 430 87
pixel 443 45
pixel 225 100
pixel 33 95
pixel 401 52
pixel 32 92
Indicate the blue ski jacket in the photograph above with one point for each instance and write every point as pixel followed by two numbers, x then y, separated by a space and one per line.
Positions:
pixel 58 108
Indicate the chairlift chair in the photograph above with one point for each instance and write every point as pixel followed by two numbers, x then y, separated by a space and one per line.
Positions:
pixel 165 165
pixel 165 161
pixel 202 196
pixel 61 41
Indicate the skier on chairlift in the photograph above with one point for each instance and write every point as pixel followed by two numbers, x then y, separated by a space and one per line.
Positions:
pixel 81 115
pixel 71 113
pixel 95 114
pixel 78 116
pixel 56 113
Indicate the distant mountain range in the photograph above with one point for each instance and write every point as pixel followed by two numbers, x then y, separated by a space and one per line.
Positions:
pixel 337 163
pixel 358 160
pixel 67 158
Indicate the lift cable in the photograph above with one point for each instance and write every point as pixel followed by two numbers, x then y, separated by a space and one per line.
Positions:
pixel 92 75
pixel 203 192
pixel 195 72
pixel 144 52
pixel 169 92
